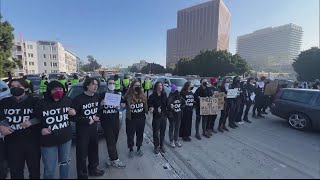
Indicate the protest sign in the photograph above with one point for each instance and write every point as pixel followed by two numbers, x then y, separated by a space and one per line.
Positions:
pixel 271 88
pixel 112 99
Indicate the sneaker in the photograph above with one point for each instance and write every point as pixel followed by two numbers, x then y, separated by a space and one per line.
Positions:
pixel 205 134
pixel 209 133
pixel 118 164
pixel 214 131
pixel 140 153
pixel 263 112
pixel 131 154
pixel 178 144
pixel 96 173
pixel 231 126
pixel 220 129
pixel 188 139
pixel 198 136
pixel 225 128
pixel 162 149
pixel 234 124
pixel 247 120
pixel 172 144
pixel 185 139
pixel 156 150
pixel 239 123
pixel 260 116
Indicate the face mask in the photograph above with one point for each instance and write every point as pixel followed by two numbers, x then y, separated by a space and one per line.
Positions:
pixel 16 91
pixel 205 84
pixel 137 89
pixel 226 85
pixel 57 94
pixel 111 87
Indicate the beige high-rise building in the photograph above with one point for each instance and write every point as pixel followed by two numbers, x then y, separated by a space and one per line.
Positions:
pixel 201 27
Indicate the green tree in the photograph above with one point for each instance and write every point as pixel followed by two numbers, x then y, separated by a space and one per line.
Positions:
pixel 6 44
pixel 153 68
pixel 91 65
pixel 212 63
pixel 307 65
pixel 134 69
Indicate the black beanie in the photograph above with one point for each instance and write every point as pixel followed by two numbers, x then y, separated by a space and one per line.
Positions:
pixel 54 84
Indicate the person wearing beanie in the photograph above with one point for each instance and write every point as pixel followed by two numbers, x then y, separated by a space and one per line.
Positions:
pixel 21 130
pixel 212 118
pixel 175 106
pixel 87 117
pixel 56 133
pixel 202 91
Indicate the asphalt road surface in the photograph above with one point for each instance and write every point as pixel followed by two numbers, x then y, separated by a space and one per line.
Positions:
pixel 267 148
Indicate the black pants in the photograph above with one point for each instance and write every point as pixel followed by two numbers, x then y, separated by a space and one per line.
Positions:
pixel 225 113
pixel 135 126
pixel 147 92
pixel 186 123
pixel 248 106
pixel 211 121
pixel 267 102
pixel 240 111
pixel 87 145
pixel 21 151
pixel 3 160
pixel 159 125
pixel 204 123
pixel 174 126
pixel 257 105
pixel 111 128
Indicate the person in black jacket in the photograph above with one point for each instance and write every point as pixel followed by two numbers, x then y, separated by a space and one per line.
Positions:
pixel 227 105
pixel 21 131
pixel 157 104
pixel 248 92
pixel 258 99
pixel 86 106
pixel 111 125
pixel 175 107
pixel 241 101
pixel 212 118
pixel 202 91
pixel 186 121
pixel 234 112
pixel 53 112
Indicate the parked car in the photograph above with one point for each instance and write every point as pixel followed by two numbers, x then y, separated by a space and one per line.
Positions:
pixel 32 76
pixel 4 90
pixel 168 81
pixel 76 90
pixel 300 107
pixel 55 76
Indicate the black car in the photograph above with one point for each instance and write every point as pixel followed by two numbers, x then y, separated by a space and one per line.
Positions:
pixel 76 90
pixel 300 107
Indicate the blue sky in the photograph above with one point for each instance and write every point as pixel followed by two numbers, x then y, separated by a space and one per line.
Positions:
pixel 126 31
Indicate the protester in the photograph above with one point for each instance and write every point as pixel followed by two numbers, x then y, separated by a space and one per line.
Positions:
pixel 56 135
pixel 137 108
pixel 234 110
pixel 176 105
pixel 186 120
pixel 248 92
pixel 3 159
pixel 43 85
pixel 86 106
pixel 258 99
pixel 212 118
pixel 21 131
pixel 241 102
pixel 225 85
pixel 125 84
pixel 158 105
pixel 111 125
pixel 202 91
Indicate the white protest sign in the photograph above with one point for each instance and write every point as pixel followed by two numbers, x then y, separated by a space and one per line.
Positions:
pixel 112 99
pixel 233 93
pixel 252 97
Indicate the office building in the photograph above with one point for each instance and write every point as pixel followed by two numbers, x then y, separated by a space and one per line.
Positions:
pixel 201 27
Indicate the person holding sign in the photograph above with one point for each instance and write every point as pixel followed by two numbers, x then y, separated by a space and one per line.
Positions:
pixel 110 122
pixel 202 91
pixel 137 108
pixel 86 106
pixel 21 130
pixel 56 136
pixel 175 106
pixel 186 121
pixel 212 118
pixel 248 92
pixel 157 103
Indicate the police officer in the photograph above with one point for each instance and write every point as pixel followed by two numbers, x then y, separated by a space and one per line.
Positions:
pixel 125 84
pixel 147 85
pixel 43 85
pixel 75 79
pixel 117 83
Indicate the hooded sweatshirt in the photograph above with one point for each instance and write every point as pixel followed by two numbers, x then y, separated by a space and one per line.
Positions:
pixel 158 103
pixel 16 112
pixel 175 103
pixel 54 115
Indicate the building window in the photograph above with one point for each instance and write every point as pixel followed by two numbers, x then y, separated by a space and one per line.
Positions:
pixel 44 56
pixel 26 63
pixel 45 63
pixel 43 48
pixel 29 46
pixel 45 71
pixel 29 63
